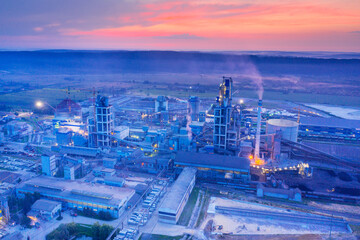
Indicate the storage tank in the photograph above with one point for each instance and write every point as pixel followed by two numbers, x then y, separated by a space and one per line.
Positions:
pixel 289 129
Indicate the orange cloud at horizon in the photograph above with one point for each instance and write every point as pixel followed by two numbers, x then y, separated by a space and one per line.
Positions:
pixel 322 25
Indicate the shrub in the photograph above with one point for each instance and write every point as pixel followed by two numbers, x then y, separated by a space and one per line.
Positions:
pixel 345 177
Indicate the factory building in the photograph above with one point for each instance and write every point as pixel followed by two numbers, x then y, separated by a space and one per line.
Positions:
pixel 121 132
pixel 109 162
pixel 77 151
pixel 44 208
pixel 48 165
pixel 196 127
pixel 78 195
pixel 288 129
pixel 162 108
pixel 68 115
pixel 161 104
pixel 335 136
pixel 102 127
pixel 72 171
pixel 331 128
pixel 68 109
pixel 176 199
pixel 289 194
pixel 194 108
pixel 214 167
pixel 64 136
pixel 202 116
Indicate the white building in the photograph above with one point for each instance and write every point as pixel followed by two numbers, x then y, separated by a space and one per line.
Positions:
pixel 177 197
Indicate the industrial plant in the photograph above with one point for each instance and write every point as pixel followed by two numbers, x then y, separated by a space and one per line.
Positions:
pixel 152 163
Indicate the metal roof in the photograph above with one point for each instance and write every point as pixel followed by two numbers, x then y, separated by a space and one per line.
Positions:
pixel 214 161
pixel 174 197
pixel 70 189
pixel 80 151
pixel 45 205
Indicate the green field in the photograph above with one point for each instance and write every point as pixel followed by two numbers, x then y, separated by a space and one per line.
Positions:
pixel 26 99
pixel 268 95
pixel 53 96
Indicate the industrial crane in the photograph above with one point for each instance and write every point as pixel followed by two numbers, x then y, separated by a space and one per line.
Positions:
pixel 306 111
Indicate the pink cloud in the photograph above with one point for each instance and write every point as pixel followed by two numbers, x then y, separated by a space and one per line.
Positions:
pixel 231 25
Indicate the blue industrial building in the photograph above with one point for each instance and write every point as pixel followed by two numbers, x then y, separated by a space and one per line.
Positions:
pixel 215 167
pixel 78 195
pixel 329 128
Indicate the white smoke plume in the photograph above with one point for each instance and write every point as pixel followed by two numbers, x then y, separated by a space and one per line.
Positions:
pixel 252 72
pixel 188 128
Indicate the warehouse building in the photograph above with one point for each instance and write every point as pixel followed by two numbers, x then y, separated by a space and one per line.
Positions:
pixel 334 128
pixel 177 197
pixel 44 208
pixel 78 195
pixel 215 167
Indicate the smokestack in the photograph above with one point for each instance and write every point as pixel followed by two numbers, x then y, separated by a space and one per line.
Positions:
pixel 258 129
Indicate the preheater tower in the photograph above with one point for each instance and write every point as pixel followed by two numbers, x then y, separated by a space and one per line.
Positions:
pixel 222 115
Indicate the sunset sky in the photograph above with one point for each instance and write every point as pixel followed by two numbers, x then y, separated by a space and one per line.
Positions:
pixel 306 25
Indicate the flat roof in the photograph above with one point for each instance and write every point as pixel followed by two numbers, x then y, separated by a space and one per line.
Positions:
pixel 197 124
pixel 81 151
pixel 175 196
pixel 282 122
pixel 113 179
pixel 44 205
pixel 81 191
pixel 214 161
pixel 330 122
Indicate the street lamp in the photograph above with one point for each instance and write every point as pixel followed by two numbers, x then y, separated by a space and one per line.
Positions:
pixel 40 104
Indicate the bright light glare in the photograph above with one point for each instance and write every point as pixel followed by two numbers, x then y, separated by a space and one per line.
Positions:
pixel 39 104
pixel 241 101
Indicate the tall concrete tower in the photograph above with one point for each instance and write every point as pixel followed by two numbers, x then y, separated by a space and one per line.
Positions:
pixel 162 108
pixel 194 108
pixel 222 115
pixel 104 120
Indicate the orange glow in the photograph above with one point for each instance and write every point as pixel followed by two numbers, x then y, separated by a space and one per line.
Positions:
pixel 33 218
pixel 332 25
pixel 207 24
pixel 259 162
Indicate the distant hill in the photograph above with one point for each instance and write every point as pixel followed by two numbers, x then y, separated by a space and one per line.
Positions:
pixel 102 62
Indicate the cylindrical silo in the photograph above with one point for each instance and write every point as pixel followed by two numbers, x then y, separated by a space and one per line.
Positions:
pixel 289 129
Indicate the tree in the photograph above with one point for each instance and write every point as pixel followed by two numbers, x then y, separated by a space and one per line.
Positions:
pixel 105 230
pixel 62 233
pixel 95 229
pixel 105 215
pixel 25 221
pixel 72 228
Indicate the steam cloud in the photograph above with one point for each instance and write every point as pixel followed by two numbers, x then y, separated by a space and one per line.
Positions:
pixel 188 128
pixel 255 76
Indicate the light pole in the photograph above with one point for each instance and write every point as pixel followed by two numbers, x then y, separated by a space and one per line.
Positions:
pixel 40 104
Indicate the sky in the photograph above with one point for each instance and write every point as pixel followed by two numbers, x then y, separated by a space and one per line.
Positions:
pixel 205 25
